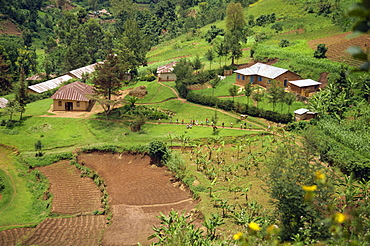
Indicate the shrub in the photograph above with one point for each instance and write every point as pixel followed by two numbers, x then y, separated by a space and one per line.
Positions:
pixel 159 151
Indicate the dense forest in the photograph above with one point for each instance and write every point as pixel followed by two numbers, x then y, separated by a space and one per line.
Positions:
pixel 58 36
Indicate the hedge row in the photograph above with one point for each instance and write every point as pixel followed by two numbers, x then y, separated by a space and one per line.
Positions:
pixel 240 108
pixel 346 159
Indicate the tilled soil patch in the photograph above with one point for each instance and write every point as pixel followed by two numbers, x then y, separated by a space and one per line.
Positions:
pixel 14 236
pixel 138 191
pixel 72 193
pixel 77 231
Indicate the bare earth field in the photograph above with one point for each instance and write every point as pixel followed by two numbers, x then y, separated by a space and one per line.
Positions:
pixel 72 194
pixel 8 27
pixel 138 191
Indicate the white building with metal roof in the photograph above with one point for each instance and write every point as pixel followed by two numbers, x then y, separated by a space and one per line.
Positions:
pixel 304 86
pixel 263 74
pixel 49 85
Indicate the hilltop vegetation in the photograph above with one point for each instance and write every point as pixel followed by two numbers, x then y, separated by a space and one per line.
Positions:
pixel 255 181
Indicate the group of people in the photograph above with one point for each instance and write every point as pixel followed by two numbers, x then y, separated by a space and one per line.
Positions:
pixel 207 123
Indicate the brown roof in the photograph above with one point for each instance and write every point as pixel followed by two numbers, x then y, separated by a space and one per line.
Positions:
pixel 75 91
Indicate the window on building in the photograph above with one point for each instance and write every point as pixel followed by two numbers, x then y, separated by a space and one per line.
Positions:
pixel 259 78
pixel 243 77
pixel 59 103
pixel 78 104
pixel 269 81
pixel 238 76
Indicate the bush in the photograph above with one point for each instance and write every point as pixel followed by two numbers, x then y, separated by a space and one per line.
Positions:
pixel 159 151
pixel 46 159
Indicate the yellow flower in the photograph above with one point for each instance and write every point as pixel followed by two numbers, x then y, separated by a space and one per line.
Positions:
pixel 238 235
pixel 309 188
pixel 320 176
pixel 339 218
pixel 254 226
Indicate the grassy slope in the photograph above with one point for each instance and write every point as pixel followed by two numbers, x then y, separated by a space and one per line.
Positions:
pixel 16 206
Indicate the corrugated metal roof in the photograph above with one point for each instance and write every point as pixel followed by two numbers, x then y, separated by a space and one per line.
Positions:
pixel 75 91
pixel 168 68
pixel 301 111
pixel 3 102
pixel 263 70
pixel 50 84
pixel 304 82
pixel 79 71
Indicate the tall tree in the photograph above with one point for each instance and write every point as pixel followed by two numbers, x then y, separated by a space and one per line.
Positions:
pixel 196 63
pixel 233 47
pixel 132 46
pixel 214 83
pixel 248 89
pixel 274 93
pixel 108 76
pixel 233 90
pixel 21 95
pixel 5 76
pixel 210 56
pixel 235 19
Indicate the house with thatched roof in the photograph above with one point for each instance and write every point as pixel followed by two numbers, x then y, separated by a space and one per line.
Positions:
pixel 73 97
pixel 263 75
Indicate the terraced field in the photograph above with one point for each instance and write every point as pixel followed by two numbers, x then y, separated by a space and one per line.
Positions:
pixel 72 194
pixel 338 44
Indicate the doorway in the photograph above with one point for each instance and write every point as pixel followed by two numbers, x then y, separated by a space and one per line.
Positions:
pixel 69 106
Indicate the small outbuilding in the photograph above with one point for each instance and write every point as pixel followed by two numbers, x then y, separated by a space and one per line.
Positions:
pixel 165 72
pixel 73 97
pixel 3 102
pixel 304 86
pixel 304 114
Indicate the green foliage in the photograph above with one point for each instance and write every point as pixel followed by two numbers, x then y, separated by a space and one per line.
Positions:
pixel 213 33
pixel 159 151
pixel 342 144
pixel 229 105
pixel 103 148
pixel 286 179
pixel 320 51
pixel 284 43
pixel 45 160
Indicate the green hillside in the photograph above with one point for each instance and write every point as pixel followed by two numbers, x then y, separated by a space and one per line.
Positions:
pixel 256 175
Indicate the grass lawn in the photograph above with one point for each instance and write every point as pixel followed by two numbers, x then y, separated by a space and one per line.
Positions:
pixel 17 207
pixel 157 93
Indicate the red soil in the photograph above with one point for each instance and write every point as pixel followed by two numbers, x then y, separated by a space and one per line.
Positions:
pixel 137 191
pixel 338 45
pixel 8 27
pixel 82 230
pixel 14 236
pixel 72 194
